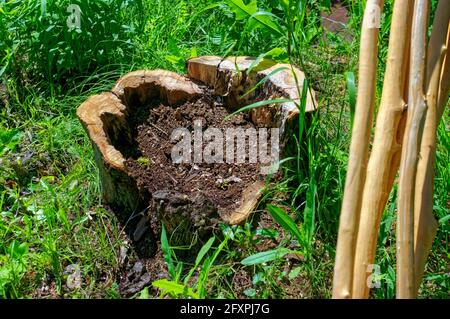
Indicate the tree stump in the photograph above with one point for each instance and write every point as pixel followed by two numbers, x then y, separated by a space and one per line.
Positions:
pixel 105 118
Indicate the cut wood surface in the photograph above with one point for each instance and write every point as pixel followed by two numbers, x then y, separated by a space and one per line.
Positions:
pixel 385 156
pixel 359 151
pixel 229 78
pixel 104 116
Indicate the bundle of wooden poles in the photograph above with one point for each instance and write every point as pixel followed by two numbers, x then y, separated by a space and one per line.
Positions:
pixel 415 93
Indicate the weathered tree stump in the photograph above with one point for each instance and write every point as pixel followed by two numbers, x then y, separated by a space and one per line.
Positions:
pixel 105 119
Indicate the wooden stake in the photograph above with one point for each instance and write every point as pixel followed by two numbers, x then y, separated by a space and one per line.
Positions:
pixel 359 151
pixel 384 159
pixel 410 152
pixel 425 225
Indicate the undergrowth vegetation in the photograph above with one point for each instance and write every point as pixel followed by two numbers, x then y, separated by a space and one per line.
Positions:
pixel 52 218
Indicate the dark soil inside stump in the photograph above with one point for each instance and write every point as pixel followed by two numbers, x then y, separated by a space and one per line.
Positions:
pixel 197 192
pixel 188 197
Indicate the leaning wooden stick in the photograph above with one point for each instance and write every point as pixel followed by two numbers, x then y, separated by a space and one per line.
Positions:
pixel 359 151
pixel 425 225
pixel 410 153
pixel 384 159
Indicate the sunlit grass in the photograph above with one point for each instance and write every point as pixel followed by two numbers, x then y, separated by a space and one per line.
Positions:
pixel 51 213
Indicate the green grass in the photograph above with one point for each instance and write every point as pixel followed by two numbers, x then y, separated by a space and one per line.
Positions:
pixel 51 213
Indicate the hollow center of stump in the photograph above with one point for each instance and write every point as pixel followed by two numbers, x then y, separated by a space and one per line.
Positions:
pixel 189 160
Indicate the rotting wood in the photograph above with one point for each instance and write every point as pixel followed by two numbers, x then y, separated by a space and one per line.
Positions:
pixel 104 116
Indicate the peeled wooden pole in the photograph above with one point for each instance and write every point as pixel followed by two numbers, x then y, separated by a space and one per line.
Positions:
pixel 359 151
pixel 425 225
pixel 410 153
pixel 384 159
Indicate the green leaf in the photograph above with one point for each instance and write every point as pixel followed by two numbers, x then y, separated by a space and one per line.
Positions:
pixel 250 292
pixel 258 104
pixel 351 89
pixel 144 294
pixel 16 250
pixel 325 4
pixel 3 69
pixel 193 53
pixel 174 288
pixel 256 62
pixel 274 53
pixel 242 10
pixel 294 273
pixel 302 108
pixel 285 221
pixel 203 251
pixel 9 139
pixel 167 252
pixel 444 219
pixel 250 12
pixel 174 59
pixel 203 276
pixel 265 256
pixel 264 19
pixel 309 223
pixel 267 232
pixel 206 247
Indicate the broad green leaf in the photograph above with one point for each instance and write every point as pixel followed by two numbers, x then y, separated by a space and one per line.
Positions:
pixel 17 250
pixel 256 62
pixel 242 10
pixel 211 6
pixel 265 256
pixel 3 69
pixel 250 12
pixel 206 247
pixel 193 53
pixel 285 221
pixel 267 232
pixel 174 59
pixel 294 273
pixel 274 53
pixel 174 288
pixel 265 19
pixel 9 139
